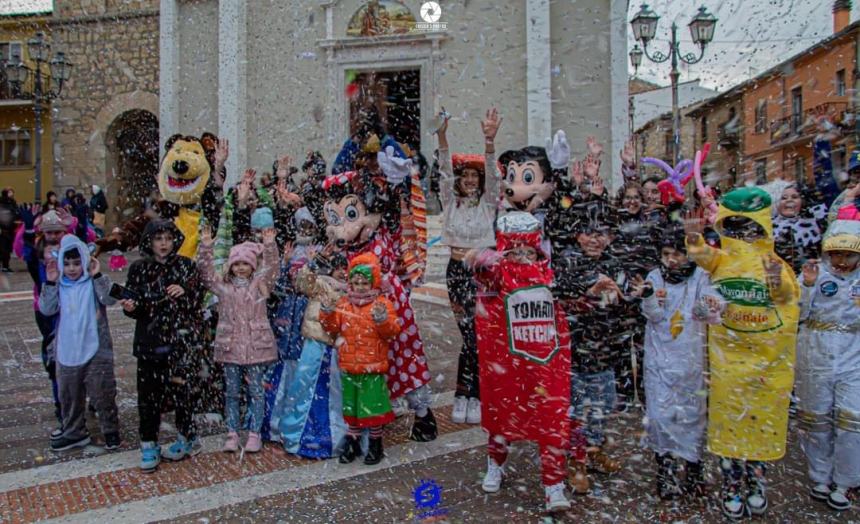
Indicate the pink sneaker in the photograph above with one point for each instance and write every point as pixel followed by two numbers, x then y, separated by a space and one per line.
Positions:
pixel 254 443
pixel 232 443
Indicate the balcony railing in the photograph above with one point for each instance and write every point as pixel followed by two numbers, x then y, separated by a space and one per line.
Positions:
pixel 728 135
pixel 801 125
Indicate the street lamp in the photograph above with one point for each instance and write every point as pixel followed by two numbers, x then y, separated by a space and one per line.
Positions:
pixel 59 72
pixel 644 26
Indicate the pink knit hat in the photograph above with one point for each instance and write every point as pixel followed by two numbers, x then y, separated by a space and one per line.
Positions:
pixel 245 252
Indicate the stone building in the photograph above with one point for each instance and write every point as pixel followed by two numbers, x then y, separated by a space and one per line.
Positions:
pixel 284 77
pixel 104 128
pixel 654 139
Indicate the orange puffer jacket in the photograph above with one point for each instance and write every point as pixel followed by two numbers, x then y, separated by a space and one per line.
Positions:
pixel 362 344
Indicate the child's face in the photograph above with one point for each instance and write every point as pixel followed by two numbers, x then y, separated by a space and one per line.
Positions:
pixel 672 258
pixel 72 268
pixel 306 229
pixel 522 255
pixel 789 203
pixel 742 228
pixel 469 182
pixel 53 237
pixel 359 283
pixel 593 242
pixel 844 262
pixel 162 244
pixel 632 200
pixel 652 194
pixel 242 269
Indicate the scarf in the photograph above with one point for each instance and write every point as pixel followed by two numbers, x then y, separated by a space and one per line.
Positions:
pixel 77 332
pixel 676 276
pixel 362 299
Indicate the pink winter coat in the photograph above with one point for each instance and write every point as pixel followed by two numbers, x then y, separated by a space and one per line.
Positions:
pixel 244 335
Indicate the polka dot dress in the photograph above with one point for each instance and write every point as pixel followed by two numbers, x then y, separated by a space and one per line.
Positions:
pixel 407 369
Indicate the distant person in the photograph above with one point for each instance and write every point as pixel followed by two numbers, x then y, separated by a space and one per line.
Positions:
pixel 98 208
pixel 8 216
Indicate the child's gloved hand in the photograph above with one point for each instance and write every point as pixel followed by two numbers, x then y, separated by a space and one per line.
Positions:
pixel 810 272
pixel 379 313
pixel 558 150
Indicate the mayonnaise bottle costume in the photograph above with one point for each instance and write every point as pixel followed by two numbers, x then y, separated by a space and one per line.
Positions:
pixel 751 354
pixel 828 366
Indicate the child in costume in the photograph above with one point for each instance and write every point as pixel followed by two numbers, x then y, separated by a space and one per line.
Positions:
pixel 469 195
pixel 76 290
pixel 364 322
pixel 312 424
pixel 167 339
pixel 751 354
pixel 677 301
pixel 244 342
pixel 828 366
pixel 524 356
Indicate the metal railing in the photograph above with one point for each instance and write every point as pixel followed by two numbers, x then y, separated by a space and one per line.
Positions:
pixel 801 125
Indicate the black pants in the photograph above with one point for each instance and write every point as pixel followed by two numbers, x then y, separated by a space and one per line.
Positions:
pixel 6 240
pixel 46 328
pixel 153 386
pixel 461 293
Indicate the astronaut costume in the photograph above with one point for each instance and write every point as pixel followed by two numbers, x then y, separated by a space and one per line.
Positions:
pixel 828 366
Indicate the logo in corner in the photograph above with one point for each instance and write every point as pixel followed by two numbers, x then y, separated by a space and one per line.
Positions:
pixel 431 13
pixel 428 497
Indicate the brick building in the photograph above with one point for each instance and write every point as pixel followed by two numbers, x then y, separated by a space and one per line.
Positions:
pixel 104 127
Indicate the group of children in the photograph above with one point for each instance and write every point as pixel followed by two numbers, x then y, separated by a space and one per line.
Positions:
pixel 550 309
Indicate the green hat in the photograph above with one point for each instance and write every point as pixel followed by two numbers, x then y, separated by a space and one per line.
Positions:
pixel 747 200
pixel 363 270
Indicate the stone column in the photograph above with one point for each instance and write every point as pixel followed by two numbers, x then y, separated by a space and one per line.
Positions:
pixel 538 80
pixel 168 73
pixel 618 79
pixel 232 88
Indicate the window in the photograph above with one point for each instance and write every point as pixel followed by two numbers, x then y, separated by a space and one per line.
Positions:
pixel 761 171
pixel 704 129
pixel 761 117
pixel 796 109
pixel 800 171
pixel 8 50
pixel 15 148
pixel 840 82
pixel 668 152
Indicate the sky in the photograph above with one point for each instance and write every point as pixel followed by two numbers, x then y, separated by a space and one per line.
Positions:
pixel 751 36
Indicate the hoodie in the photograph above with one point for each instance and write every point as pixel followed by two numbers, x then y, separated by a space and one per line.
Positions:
pixel 164 322
pixel 82 329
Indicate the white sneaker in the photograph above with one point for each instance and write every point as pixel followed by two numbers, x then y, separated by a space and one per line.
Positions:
pixel 473 411
pixel 493 479
pixel 555 499
pixel 820 491
pixel 458 413
pixel 838 499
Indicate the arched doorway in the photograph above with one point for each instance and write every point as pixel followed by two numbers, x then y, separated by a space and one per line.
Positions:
pixel 131 142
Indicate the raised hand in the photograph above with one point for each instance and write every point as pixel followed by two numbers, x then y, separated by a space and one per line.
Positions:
pixel 379 312
pixel 243 191
pixel 810 272
pixel 597 187
pixel 576 173
pixel 694 224
pixel 269 235
pixel 288 252
pixel 95 266
pixel 490 124
pixel 628 154
pixel 222 152
pixel 206 237
pixel 283 168
pixel 638 285
pixel 591 166
pixel 595 149
pixel 52 270
pixel 558 150
pixel 772 271
pixel 285 196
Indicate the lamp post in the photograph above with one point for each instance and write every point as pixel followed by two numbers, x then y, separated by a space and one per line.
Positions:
pixel 644 28
pixel 41 94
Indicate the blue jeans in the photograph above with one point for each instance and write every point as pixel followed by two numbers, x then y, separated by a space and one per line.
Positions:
pixel 233 376
pixel 592 397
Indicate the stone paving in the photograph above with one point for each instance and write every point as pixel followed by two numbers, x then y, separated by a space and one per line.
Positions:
pixel 90 485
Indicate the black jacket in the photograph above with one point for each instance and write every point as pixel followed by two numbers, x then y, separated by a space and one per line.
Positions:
pixel 161 320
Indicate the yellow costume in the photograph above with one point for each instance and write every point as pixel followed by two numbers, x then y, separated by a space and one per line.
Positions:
pixel 752 352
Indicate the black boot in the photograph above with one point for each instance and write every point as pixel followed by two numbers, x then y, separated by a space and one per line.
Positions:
pixel 351 450
pixel 694 483
pixel 424 428
pixel 667 483
pixel 374 452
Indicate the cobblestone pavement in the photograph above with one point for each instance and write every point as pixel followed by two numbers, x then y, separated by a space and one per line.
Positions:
pixel 90 485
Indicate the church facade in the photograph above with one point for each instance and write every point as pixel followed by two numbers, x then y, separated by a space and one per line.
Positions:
pixel 287 77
